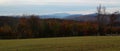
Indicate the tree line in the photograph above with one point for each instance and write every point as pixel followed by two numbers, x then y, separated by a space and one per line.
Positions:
pixel 34 27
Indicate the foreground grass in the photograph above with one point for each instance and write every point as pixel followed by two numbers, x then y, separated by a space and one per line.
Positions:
pixel 90 43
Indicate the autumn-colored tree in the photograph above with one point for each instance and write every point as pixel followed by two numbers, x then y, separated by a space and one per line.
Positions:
pixel 6 31
pixel 34 25
pixel 22 27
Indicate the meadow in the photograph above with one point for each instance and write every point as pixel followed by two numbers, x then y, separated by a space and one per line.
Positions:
pixel 83 43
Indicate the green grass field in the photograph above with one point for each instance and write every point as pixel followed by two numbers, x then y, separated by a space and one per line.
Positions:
pixel 86 43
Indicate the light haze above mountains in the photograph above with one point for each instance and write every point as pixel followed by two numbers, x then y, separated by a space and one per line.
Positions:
pixel 46 7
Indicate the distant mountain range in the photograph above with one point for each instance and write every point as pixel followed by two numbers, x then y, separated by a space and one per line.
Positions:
pixel 56 15
pixel 77 17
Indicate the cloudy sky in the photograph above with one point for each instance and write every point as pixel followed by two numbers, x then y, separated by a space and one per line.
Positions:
pixel 16 7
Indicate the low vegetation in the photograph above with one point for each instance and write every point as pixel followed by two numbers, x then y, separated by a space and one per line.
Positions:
pixel 86 43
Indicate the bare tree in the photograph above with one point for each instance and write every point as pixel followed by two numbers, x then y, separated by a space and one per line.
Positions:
pixel 113 17
pixel 101 13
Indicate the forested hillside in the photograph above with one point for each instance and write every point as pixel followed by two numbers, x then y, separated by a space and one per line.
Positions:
pixel 34 27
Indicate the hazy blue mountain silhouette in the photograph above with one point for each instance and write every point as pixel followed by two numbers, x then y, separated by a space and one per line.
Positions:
pixel 77 17
pixel 89 17
pixel 56 15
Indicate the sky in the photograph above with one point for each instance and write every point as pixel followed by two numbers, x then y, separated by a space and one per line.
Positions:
pixel 40 7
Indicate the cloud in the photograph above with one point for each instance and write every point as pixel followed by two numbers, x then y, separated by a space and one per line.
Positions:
pixel 59 2
pixel 44 11
pixel 58 6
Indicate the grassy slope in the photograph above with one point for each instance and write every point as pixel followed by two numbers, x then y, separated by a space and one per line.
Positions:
pixel 90 43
